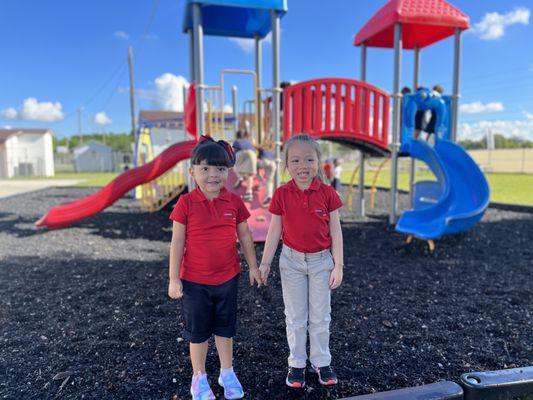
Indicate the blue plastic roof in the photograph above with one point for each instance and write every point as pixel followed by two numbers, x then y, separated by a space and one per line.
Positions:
pixel 236 18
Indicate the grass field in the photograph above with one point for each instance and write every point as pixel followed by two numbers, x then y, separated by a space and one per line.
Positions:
pixel 90 178
pixel 505 187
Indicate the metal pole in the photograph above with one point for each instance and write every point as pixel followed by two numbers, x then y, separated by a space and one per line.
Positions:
pixel 258 65
pixel 199 66
pixel 79 124
pixel 275 93
pixel 395 121
pixel 235 109
pixel 192 77
pixel 361 188
pixel 412 170
pixel 456 76
pixel 132 91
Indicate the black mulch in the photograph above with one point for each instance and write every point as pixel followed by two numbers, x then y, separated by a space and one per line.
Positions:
pixel 85 314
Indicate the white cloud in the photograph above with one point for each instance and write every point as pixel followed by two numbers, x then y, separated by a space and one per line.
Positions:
pixel 7 127
pixel 121 35
pixel 101 118
pixel 228 109
pixel 169 92
pixel 478 107
pixel 516 128
pixel 9 113
pixel 32 110
pixel 528 115
pixel 248 45
pixel 493 24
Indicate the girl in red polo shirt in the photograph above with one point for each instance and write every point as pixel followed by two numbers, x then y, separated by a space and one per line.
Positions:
pixel 306 211
pixel 204 264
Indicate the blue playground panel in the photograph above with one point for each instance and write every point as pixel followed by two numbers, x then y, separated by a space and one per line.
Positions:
pixel 459 198
pixel 235 18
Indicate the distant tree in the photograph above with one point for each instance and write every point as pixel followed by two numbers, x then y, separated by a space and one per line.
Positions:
pixel 117 141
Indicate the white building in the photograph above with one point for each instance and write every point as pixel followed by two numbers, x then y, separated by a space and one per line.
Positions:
pixel 93 157
pixel 26 152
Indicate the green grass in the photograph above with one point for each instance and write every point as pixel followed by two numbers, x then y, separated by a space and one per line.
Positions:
pixel 504 187
pixel 89 178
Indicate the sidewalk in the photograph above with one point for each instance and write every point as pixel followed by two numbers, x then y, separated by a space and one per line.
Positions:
pixel 10 187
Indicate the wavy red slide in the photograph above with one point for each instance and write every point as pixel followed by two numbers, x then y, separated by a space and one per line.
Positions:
pixel 66 214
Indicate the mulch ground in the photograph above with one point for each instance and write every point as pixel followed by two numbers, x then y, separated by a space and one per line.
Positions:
pixel 84 312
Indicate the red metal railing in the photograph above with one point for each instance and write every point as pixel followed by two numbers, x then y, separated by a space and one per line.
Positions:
pixel 337 108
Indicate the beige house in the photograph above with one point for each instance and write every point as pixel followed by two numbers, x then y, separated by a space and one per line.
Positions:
pixel 26 152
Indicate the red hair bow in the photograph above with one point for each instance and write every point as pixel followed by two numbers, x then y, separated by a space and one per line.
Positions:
pixel 224 144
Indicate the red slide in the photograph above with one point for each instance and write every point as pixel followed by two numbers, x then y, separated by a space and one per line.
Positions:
pixel 66 214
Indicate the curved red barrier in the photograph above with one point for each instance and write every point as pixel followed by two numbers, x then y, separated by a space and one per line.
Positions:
pixel 66 214
pixel 345 110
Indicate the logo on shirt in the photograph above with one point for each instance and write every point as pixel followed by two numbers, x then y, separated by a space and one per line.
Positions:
pixel 321 213
pixel 229 215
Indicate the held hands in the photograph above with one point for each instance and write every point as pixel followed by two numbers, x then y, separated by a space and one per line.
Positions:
pixel 265 271
pixel 175 289
pixel 255 276
pixel 335 278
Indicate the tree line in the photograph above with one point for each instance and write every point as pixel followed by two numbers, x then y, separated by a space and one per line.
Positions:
pixel 117 141
pixel 500 142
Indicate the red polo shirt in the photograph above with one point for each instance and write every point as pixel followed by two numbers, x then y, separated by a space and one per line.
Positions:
pixel 210 256
pixel 305 214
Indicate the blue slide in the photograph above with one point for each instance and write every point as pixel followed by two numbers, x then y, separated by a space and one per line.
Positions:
pixel 458 199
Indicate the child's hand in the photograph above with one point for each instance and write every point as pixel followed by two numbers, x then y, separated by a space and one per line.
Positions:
pixel 335 278
pixel 175 289
pixel 265 270
pixel 255 276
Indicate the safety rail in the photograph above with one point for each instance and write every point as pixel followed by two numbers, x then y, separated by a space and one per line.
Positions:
pixel 346 110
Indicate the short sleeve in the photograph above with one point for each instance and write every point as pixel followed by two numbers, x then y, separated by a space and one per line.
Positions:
pixel 242 212
pixel 181 210
pixel 276 206
pixel 334 201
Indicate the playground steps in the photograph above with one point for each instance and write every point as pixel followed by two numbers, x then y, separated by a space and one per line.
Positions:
pixel 160 202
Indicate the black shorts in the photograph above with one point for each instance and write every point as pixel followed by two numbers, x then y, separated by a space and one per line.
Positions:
pixel 420 123
pixel 209 309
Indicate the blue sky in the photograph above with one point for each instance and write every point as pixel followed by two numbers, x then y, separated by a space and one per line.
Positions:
pixel 59 56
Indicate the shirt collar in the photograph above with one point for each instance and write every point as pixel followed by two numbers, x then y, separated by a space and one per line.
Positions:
pixel 198 196
pixel 315 185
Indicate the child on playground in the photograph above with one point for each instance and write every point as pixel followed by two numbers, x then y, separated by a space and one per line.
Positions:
pixel 267 161
pixel 204 266
pixel 246 163
pixel 337 173
pixel 306 210
pixel 421 121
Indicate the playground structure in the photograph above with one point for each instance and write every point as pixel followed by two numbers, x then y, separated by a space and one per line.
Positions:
pixel 353 113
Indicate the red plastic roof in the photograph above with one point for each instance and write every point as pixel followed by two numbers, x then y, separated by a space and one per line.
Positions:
pixel 424 22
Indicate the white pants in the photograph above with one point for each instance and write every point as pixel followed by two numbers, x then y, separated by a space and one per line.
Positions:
pixel 307 298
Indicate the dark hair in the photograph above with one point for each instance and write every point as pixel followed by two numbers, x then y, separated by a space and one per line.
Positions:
pixel 212 153
pixel 438 88
pixel 406 90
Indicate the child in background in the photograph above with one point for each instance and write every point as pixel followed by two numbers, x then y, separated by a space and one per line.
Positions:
pixel 328 171
pixel 246 163
pixel 204 266
pixel 311 263
pixel 267 161
pixel 337 173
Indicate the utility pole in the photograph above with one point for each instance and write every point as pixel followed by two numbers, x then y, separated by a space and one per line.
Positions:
pixel 79 124
pixel 132 91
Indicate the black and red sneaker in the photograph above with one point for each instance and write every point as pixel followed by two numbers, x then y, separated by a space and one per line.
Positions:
pixel 326 375
pixel 295 377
